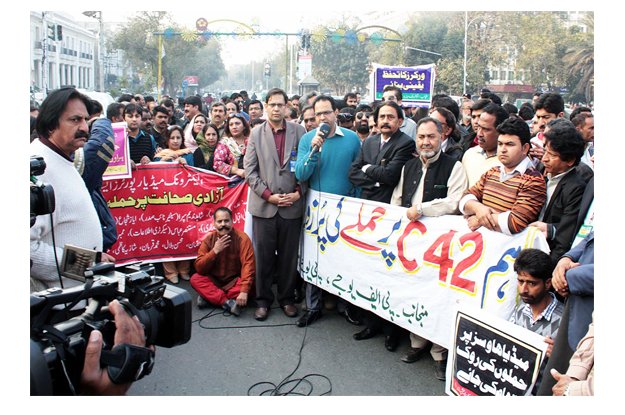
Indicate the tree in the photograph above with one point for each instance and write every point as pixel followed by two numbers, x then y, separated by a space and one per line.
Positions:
pixel 580 61
pixel 136 38
pixel 340 63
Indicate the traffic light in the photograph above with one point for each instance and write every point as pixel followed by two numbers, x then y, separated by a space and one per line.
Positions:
pixel 59 32
pixel 51 32
pixel 267 70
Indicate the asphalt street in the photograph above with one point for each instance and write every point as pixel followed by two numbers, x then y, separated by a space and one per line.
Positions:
pixel 239 356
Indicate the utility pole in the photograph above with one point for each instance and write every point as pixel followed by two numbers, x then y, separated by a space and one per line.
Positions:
pixel 44 60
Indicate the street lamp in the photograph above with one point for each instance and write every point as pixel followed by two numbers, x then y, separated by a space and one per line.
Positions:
pixel 98 15
pixel 464 66
pixel 421 50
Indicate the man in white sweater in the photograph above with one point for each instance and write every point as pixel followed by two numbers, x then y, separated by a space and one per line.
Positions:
pixel 62 129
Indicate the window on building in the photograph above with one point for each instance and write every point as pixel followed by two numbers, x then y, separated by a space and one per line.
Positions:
pixel 511 75
pixel 502 75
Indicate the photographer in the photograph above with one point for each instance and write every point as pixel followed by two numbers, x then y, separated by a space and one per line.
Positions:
pixel 95 379
pixel 62 129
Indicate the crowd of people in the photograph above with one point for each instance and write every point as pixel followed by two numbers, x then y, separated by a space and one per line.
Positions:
pixel 501 167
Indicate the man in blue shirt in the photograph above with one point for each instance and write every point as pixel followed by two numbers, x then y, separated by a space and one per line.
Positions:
pixel 326 170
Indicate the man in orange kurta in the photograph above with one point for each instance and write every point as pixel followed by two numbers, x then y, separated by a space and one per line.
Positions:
pixel 225 265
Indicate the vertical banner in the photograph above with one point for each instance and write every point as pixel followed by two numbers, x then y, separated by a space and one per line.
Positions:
pixel 119 166
pixel 164 211
pixel 410 273
pixel 415 82
pixel 492 357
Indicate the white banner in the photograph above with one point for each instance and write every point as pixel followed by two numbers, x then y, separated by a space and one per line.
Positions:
pixel 413 274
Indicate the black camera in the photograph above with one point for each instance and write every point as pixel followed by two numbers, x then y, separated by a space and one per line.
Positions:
pixel 41 195
pixel 59 332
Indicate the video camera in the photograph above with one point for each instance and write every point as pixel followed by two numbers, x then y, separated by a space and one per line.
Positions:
pixel 41 195
pixel 59 333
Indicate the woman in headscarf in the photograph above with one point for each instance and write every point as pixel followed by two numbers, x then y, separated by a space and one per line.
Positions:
pixel 207 140
pixel 190 133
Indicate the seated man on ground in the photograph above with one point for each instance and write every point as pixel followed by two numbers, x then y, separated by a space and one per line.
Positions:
pixel 225 266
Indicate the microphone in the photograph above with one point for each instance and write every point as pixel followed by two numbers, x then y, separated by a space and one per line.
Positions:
pixel 323 131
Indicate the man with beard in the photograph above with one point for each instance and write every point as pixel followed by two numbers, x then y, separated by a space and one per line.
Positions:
pixel 540 312
pixel 431 185
pixel 225 266
pixel 62 130
pixel 361 121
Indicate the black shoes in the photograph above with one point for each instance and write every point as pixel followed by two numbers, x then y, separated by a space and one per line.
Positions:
pixel 352 316
pixel 414 354
pixel 440 367
pixel 308 318
pixel 364 334
pixel 391 342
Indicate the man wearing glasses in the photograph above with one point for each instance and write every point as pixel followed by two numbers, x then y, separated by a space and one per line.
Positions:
pixel 276 203
pixel 325 170
pixel 361 122
pixel 393 93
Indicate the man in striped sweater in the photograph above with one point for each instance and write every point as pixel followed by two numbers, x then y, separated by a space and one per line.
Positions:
pixel 508 197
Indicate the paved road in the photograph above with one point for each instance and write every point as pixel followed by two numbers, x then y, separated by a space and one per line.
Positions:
pixel 228 361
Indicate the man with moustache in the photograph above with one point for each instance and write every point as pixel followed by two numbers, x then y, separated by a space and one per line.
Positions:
pixel 548 107
pixel 479 159
pixel 218 116
pixel 377 171
pixel 225 266
pixel 431 185
pixel 540 312
pixel 62 129
pixel 361 121
pixel 564 147
pixel 159 128
pixel 309 121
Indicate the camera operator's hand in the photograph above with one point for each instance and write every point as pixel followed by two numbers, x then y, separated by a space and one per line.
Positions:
pixel 107 258
pixel 94 379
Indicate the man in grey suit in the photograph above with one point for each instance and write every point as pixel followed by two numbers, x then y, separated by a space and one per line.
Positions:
pixel 276 202
pixel 377 171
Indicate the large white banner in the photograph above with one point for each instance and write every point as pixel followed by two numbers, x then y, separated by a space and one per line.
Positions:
pixel 413 274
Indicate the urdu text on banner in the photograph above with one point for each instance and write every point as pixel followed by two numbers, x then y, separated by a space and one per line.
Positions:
pixel 416 83
pixel 164 211
pixel 413 274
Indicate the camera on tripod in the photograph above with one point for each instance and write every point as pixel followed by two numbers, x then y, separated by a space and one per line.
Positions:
pixel 59 333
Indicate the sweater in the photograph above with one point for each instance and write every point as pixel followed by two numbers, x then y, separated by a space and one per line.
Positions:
pixel 75 220
pixel 328 169
pixel 237 260
pixel 523 195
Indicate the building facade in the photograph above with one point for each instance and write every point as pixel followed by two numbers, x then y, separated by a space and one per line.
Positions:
pixel 62 52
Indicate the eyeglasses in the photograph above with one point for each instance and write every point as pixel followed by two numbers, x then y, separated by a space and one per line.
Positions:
pixel 322 113
pixel 390 98
pixel 362 114
pixel 345 117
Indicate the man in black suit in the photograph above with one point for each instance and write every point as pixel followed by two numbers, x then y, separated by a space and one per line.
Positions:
pixel 377 171
pixel 564 148
pixel 378 167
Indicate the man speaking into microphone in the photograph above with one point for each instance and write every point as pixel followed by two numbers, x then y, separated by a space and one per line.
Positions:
pixel 324 157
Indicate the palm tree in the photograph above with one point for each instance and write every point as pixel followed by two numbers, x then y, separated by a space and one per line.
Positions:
pixel 580 60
